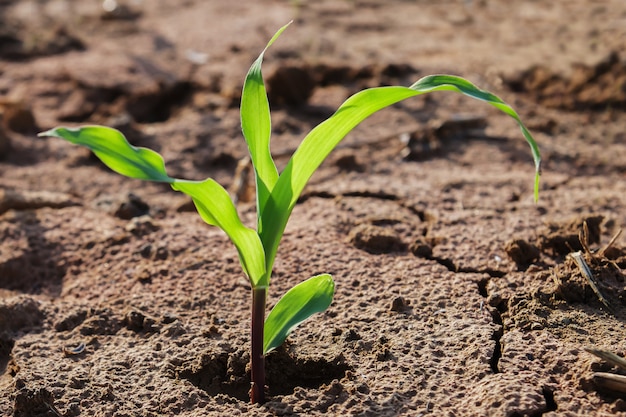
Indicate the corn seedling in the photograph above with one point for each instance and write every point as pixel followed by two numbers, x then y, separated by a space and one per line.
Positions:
pixel 276 194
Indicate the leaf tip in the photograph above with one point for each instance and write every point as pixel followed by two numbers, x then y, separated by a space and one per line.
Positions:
pixel 47 133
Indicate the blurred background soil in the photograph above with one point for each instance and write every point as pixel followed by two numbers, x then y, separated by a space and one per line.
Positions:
pixel 456 294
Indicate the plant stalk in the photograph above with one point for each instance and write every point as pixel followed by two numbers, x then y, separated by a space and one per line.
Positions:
pixel 257 359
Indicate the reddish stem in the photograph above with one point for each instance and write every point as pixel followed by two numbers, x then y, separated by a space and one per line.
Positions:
pixel 257 359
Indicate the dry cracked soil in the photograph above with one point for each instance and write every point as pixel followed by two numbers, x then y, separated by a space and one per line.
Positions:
pixel 456 292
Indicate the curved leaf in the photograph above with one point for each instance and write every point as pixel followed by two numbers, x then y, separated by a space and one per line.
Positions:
pixel 216 208
pixel 211 199
pixel 324 138
pixel 461 85
pixel 298 304
pixel 113 149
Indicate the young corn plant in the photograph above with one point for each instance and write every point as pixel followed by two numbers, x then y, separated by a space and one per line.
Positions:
pixel 276 194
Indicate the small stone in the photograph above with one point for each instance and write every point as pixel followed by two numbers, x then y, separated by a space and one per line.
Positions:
pixel 376 239
pixel 169 318
pixel 134 320
pixel 494 299
pixel 146 251
pixel 134 206
pixel 144 276
pixel 141 226
pixel 137 321
pixel 399 304
pixel 421 249
pixel 101 322
pixel 211 331
pixel 161 253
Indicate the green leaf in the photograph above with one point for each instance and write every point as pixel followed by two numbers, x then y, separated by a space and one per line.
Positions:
pixel 211 199
pixel 324 138
pixel 256 127
pixel 458 84
pixel 299 303
pixel 216 208
pixel 113 149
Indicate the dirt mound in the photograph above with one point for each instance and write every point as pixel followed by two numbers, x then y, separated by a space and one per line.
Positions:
pixel 599 87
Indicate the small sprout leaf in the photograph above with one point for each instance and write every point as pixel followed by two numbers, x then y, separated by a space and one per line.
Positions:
pixel 114 151
pixel 299 303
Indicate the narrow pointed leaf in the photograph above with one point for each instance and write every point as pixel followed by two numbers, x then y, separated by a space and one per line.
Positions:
pixel 113 149
pixel 325 137
pixel 256 126
pixel 211 199
pixel 298 304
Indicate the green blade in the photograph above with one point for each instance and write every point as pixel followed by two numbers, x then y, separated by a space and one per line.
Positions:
pixel 298 304
pixel 216 208
pixel 324 138
pixel 256 127
pixel 461 85
pixel 211 199
pixel 113 149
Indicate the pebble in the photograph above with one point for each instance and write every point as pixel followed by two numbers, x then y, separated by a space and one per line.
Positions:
pixel 133 206
pixel 399 304
pixel 141 226
pixel 376 239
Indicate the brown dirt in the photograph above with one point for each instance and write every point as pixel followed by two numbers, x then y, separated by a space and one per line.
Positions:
pixel 455 295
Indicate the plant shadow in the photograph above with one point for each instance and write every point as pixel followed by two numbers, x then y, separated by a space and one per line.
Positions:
pixel 36 269
pixel 227 375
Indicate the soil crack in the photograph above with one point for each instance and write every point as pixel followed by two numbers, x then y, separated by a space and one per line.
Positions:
pixel 496 336
pixel 494 361
pixel 381 195
pixel 548 394
pixel 452 267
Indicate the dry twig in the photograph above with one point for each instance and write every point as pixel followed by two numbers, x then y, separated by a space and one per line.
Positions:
pixel 605 380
